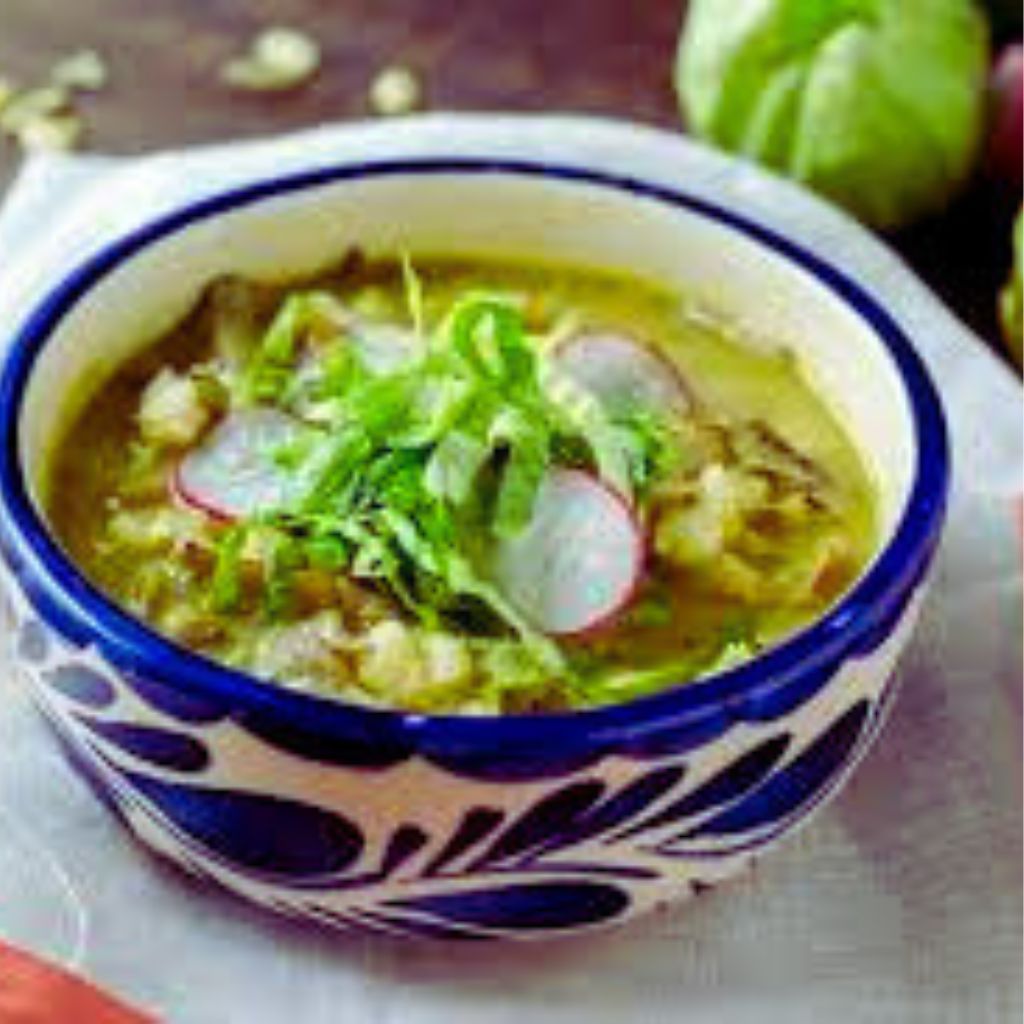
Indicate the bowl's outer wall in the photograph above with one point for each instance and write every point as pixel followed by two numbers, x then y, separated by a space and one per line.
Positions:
pixel 417 847
pixel 411 830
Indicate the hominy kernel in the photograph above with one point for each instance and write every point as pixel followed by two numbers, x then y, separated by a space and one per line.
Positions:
pixel 396 90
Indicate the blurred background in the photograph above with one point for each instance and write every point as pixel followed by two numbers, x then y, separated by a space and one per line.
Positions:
pixel 160 73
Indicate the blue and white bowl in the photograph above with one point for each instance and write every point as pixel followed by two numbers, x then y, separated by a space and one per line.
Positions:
pixel 464 828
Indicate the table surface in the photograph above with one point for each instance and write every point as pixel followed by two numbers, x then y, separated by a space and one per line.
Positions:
pixel 593 56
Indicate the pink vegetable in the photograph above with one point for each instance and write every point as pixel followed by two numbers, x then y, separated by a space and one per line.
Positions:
pixel 578 562
pixel 232 473
pixel 622 372
pixel 1006 135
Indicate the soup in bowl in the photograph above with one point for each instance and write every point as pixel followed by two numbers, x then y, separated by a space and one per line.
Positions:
pixel 469 487
pixel 464 549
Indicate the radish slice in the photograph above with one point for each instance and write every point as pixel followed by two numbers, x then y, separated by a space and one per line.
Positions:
pixel 578 561
pixel 1007 117
pixel 624 374
pixel 232 473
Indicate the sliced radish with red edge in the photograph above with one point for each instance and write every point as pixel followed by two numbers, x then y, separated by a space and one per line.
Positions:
pixel 1006 120
pixel 577 563
pixel 624 374
pixel 232 472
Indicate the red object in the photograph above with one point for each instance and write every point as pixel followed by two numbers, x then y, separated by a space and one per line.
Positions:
pixel 33 992
pixel 1005 151
pixel 184 498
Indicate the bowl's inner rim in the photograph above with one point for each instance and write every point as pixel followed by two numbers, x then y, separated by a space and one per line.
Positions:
pixel 66 592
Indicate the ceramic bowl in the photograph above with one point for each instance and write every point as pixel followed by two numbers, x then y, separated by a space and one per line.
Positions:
pixel 465 828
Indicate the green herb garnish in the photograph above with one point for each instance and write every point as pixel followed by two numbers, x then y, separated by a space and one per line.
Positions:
pixel 414 472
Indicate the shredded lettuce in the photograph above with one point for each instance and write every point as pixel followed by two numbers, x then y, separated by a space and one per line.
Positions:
pixel 529 455
pixel 286 556
pixel 583 417
pixel 327 551
pixel 271 371
pixel 415 470
pixel 453 466
pixel 413 295
pixel 737 643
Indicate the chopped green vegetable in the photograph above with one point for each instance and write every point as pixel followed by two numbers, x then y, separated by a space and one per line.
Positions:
pixel 528 459
pixel 293 453
pixel 286 555
pixel 413 295
pixel 614 687
pixel 271 371
pixel 327 551
pixel 226 584
pixel 454 465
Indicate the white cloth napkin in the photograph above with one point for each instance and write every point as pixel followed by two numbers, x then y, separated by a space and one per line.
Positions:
pixel 900 903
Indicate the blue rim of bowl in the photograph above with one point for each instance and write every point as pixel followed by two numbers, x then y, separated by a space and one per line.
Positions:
pixel 62 595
